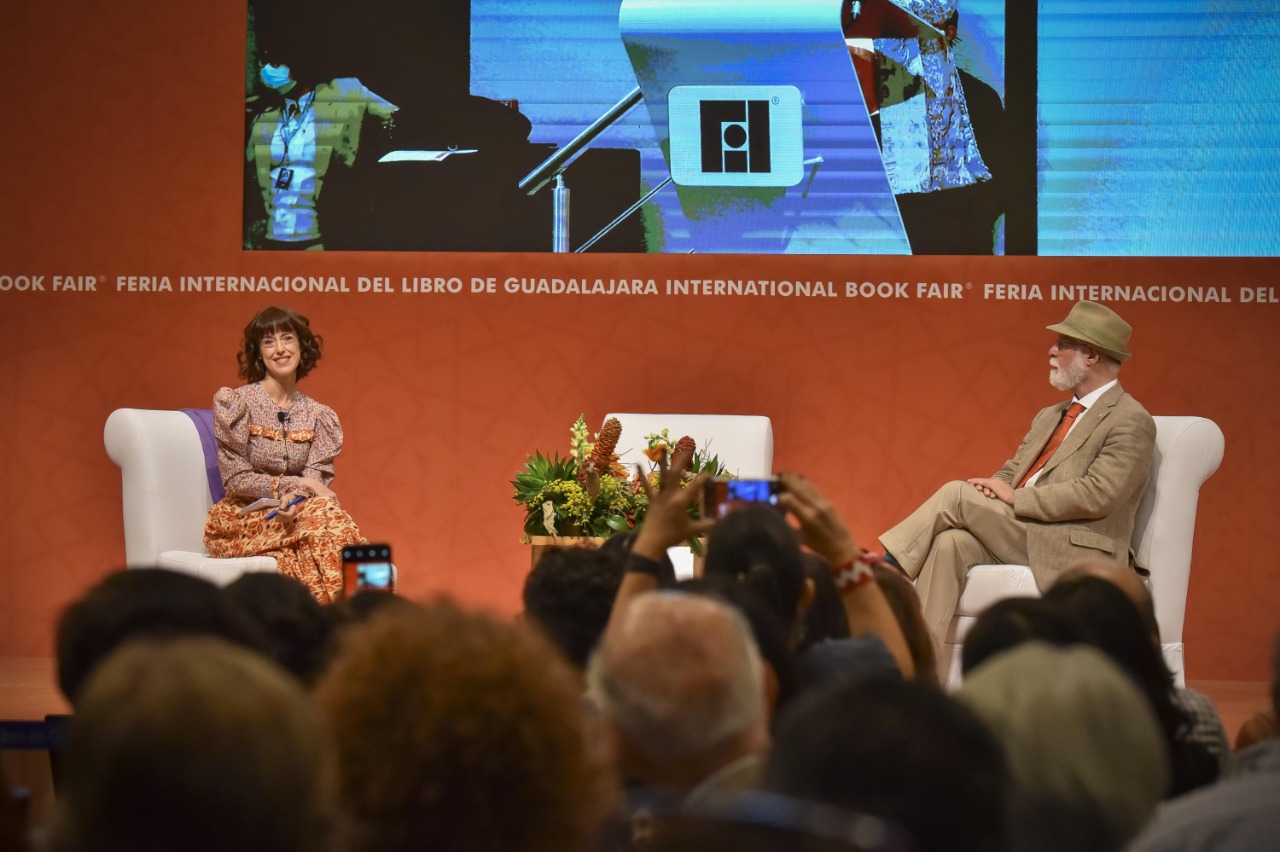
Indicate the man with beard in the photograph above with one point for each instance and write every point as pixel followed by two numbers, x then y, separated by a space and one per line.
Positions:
pixel 1069 493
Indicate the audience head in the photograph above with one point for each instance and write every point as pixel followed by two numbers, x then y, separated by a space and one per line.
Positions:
pixel 455 731
pixel 1127 580
pixel 1085 751
pixel 901 751
pixel 1008 623
pixel 191 744
pixel 905 603
pixel 679 680
pixel 365 603
pixel 138 603
pixel 294 625
pixel 825 618
pixel 1108 620
pixel 756 545
pixel 570 593
pixel 781 667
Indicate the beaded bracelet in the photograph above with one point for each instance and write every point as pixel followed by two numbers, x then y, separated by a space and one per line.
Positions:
pixel 851 574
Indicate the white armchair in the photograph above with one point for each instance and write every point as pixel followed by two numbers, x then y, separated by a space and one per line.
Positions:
pixel 167 494
pixel 743 443
pixel 1188 451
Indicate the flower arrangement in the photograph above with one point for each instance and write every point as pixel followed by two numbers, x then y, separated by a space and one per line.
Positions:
pixel 589 492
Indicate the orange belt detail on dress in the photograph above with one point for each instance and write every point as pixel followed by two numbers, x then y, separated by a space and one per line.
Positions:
pixel 293 436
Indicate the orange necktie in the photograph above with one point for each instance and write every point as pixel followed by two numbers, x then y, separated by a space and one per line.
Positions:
pixel 1055 440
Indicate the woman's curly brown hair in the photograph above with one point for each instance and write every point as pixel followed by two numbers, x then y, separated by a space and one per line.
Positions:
pixel 455 731
pixel 273 320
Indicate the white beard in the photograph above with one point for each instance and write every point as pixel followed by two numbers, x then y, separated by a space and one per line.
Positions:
pixel 1066 378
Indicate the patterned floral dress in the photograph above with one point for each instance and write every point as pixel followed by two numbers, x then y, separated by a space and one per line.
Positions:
pixel 926 136
pixel 261 454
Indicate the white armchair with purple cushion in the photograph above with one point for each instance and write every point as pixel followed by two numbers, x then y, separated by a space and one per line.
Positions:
pixel 169 473
pixel 1188 451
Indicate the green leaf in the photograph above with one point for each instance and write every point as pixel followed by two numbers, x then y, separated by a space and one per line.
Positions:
pixel 538 472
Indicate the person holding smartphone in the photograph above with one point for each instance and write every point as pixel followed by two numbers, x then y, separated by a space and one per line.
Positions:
pixel 276 448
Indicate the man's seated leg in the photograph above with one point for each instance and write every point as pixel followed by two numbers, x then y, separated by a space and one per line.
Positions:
pixel 957 505
pixel 940 583
pixel 956 528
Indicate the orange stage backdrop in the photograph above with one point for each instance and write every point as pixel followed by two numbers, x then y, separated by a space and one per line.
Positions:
pixel 121 170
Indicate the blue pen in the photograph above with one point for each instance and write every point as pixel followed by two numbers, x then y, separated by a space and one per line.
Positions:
pixel 295 501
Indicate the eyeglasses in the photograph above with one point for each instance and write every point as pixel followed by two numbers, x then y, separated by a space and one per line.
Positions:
pixel 1070 343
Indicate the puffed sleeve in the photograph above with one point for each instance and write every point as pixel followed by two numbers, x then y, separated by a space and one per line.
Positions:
pixel 325 447
pixel 231 429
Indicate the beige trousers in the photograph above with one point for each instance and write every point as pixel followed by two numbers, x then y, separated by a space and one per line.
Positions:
pixel 955 529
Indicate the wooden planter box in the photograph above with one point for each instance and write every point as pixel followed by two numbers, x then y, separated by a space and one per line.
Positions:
pixel 688 563
pixel 540 543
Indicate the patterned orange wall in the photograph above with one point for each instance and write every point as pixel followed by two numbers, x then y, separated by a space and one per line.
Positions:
pixel 120 160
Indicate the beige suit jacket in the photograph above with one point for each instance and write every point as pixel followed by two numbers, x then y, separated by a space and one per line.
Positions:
pixel 1085 500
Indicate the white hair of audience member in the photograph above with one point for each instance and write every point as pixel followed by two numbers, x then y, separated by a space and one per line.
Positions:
pixel 680 676
pixel 1077 731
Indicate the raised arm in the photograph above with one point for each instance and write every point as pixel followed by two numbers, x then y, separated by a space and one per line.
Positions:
pixel 825 533
pixel 666 524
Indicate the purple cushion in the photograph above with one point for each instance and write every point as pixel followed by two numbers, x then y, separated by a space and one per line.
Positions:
pixel 203 418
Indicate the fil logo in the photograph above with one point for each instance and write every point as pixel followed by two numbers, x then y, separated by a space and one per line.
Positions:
pixel 736 135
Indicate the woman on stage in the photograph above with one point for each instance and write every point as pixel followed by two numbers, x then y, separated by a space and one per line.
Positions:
pixel 276 442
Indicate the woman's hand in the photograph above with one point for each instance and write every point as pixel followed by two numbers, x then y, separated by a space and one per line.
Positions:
pixel 307 487
pixel 821 527
pixel 667 523
pixel 316 488
pixel 287 514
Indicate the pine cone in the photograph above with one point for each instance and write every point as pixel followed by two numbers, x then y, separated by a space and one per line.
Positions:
pixel 682 457
pixel 606 443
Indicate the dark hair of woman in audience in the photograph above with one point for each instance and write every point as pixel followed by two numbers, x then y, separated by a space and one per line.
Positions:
pixel 756 547
pixel 905 604
pixel 138 603
pixel 1010 622
pixel 1109 620
pixel 904 752
pixel 825 618
pixel 296 627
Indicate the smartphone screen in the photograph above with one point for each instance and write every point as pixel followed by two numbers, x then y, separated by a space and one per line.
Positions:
pixel 725 495
pixel 367 566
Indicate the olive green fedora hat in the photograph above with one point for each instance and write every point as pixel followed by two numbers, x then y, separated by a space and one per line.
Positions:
pixel 1098 326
